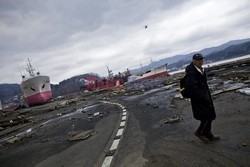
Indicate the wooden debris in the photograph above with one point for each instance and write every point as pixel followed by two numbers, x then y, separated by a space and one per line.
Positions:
pixel 172 120
pixel 226 90
pixel 12 129
pixel 80 135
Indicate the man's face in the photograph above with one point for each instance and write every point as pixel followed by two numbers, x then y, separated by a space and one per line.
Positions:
pixel 198 62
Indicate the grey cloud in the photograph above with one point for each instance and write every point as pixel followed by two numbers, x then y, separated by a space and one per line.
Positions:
pixel 39 25
pixel 129 12
pixel 52 33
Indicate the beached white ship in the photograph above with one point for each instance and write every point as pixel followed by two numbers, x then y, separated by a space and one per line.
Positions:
pixel 36 88
pixel 160 71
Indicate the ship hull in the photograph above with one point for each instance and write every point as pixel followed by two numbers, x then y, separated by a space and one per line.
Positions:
pixel 151 74
pixel 36 90
pixel 39 98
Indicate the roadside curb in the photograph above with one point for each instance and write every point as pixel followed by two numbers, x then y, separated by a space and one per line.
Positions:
pixel 118 137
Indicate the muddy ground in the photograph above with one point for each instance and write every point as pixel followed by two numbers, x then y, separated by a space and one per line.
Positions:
pixel 151 142
pixel 147 141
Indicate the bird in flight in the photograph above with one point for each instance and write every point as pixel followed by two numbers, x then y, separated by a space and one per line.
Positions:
pixel 146 26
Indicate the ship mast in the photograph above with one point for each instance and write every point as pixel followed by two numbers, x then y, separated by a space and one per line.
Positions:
pixel 142 70
pixel 110 73
pixel 151 60
pixel 30 69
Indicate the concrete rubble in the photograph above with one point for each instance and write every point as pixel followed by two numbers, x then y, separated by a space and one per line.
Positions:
pixel 13 140
pixel 244 91
pixel 244 144
pixel 96 114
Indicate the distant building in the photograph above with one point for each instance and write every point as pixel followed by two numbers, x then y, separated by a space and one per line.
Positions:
pixel 1 105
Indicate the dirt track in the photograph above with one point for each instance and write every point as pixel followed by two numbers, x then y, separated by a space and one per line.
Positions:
pixel 150 142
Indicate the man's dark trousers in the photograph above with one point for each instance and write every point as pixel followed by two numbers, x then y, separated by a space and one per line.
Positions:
pixel 205 127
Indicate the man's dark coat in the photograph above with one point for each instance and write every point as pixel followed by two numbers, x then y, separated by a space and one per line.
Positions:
pixel 201 100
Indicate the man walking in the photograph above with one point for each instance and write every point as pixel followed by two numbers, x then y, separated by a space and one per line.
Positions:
pixel 201 100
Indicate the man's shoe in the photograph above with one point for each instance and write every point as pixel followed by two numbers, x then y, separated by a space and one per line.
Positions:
pixel 213 137
pixel 201 137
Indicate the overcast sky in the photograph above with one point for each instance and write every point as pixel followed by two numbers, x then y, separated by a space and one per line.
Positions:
pixel 65 38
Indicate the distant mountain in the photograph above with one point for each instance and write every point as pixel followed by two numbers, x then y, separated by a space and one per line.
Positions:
pixel 8 91
pixel 208 51
pixel 227 53
pixel 71 85
pixel 179 60
pixel 230 52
